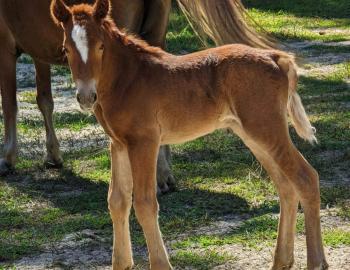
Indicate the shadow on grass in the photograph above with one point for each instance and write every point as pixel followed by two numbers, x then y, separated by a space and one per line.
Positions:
pixel 64 202
pixel 74 120
pixel 314 87
pixel 305 8
pixel 322 48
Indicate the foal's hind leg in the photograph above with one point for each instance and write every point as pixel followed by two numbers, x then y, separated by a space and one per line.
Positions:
pixel 305 181
pixel 9 102
pixel 46 105
pixel 284 252
pixel 275 143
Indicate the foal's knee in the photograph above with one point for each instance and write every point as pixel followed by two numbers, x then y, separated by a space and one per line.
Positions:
pixel 119 205
pixel 309 191
pixel 145 208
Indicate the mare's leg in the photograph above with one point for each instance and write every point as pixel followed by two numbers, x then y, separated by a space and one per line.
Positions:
pixel 143 157
pixel 128 14
pixel 119 203
pixel 272 139
pixel 45 103
pixel 9 101
pixel 150 20
pixel 153 29
pixel 166 181
pixel 156 21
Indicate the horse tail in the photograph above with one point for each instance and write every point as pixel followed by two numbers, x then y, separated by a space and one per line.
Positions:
pixel 224 21
pixel 295 107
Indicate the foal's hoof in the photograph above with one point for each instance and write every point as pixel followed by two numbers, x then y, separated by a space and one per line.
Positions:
pixel 53 163
pixel 5 168
pixel 167 185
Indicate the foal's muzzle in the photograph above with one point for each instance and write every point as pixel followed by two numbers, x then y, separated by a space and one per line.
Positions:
pixel 86 94
pixel 86 100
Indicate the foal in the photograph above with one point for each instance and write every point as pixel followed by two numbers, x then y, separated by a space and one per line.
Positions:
pixel 146 97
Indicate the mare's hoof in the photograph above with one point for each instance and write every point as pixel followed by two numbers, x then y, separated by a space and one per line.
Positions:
pixel 5 168
pixel 52 163
pixel 285 266
pixel 167 185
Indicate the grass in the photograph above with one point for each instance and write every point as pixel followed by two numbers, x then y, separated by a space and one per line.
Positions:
pixel 305 8
pixel 216 175
pixel 74 121
pixel 29 97
pixel 286 26
pixel 205 261
pixel 257 233
pixel 180 36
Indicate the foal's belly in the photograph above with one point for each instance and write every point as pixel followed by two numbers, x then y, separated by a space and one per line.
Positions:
pixel 182 130
pixel 185 135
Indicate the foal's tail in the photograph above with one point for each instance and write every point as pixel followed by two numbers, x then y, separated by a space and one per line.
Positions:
pixel 295 107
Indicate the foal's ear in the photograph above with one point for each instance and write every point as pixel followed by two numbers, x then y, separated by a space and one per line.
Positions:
pixel 59 12
pixel 101 9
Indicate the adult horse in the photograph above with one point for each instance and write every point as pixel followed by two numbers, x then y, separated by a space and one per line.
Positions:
pixel 26 27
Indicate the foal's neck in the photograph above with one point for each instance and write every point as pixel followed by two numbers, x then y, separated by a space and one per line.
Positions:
pixel 124 56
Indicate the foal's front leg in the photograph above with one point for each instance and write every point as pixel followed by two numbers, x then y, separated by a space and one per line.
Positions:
pixel 119 203
pixel 143 157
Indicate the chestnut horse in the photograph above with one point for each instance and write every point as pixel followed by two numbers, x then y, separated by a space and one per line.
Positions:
pixel 145 97
pixel 25 26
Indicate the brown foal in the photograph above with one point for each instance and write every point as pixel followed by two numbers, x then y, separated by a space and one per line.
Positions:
pixel 144 97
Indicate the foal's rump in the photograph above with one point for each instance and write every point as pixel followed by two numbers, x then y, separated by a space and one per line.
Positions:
pixel 271 92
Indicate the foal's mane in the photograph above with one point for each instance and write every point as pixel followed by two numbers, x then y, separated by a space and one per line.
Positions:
pixel 82 11
pixel 130 40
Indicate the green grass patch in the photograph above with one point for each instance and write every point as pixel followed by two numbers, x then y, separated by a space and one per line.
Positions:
pixel 287 26
pixel 25 59
pixel 336 238
pixel 305 8
pixel 203 261
pixel 180 36
pixel 252 233
pixel 74 121
pixel 60 71
pixel 28 96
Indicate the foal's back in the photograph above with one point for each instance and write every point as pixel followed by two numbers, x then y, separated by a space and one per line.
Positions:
pixel 215 88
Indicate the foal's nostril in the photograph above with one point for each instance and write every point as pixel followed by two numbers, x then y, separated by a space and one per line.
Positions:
pixel 78 98
pixel 94 96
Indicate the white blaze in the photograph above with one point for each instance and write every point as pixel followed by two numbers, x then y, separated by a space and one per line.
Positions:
pixel 80 38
